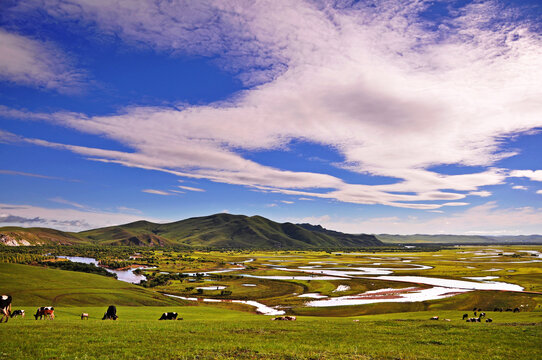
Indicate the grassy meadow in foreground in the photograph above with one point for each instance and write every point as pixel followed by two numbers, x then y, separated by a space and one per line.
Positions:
pixel 212 333
pixel 233 331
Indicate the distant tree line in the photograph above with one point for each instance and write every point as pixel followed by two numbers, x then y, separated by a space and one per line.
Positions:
pixel 72 266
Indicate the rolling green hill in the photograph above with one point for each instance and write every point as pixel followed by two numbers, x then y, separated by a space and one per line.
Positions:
pixel 216 231
pixel 227 231
pixel 34 285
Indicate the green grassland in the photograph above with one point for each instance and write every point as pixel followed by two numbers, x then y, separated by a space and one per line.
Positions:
pixel 234 331
pixel 37 286
pixel 214 333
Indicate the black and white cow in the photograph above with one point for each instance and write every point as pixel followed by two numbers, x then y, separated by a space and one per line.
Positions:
pixel 17 313
pixel 111 313
pixel 5 307
pixel 45 311
pixel 287 317
pixel 169 316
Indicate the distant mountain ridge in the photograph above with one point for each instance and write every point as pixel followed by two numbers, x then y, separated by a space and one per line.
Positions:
pixel 459 239
pixel 214 231
pixel 235 231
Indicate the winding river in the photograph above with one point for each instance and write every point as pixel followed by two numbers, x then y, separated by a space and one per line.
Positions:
pixel 122 275
pixel 440 288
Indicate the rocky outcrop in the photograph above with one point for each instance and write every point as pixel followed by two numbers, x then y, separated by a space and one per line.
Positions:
pixel 10 241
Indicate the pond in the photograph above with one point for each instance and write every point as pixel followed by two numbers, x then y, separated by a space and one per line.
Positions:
pixel 122 275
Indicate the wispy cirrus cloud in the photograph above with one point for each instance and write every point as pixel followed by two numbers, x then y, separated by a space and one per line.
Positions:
pixel 40 176
pixel 156 192
pixel 190 188
pixel 382 86
pixel 31 62
pixel 68 202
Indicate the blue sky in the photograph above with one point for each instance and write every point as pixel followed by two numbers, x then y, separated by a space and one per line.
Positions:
pixel 380 116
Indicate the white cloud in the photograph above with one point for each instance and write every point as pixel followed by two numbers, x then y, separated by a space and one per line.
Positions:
pixel 67 202
pixel 30 62
pixel 482 193
pixel 156 192
pixel 189 188
pixel 455 204
pixel 286 202
pixel 64 219
pixel 539 192
pixel 534 175
pixel 390 96
pixel 519 187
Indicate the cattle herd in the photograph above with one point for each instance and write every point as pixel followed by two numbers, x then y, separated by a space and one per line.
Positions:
pixel 479 315
pixel 48 312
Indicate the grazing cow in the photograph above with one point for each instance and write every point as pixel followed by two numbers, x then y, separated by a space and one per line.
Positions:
pixel 516 310
pixel 84 316
pixel 482 314
pixel 17 313
pixel 508 309
pixel 478 320
pixel 474 309
pixel 468 320
pixel 355 320
pixel 488 320
pixel 169 316
pixel 465 316
pixel 111 313
pixel 5 306
pixel 45 311
pixel 290 318
pixel 434 318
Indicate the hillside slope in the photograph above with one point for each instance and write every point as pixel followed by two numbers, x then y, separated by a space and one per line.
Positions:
pixel 38 286
pixel 227 231
pixel 215 231
pixel 18 236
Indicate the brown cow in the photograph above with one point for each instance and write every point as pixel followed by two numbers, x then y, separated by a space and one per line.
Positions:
pixel 45 311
